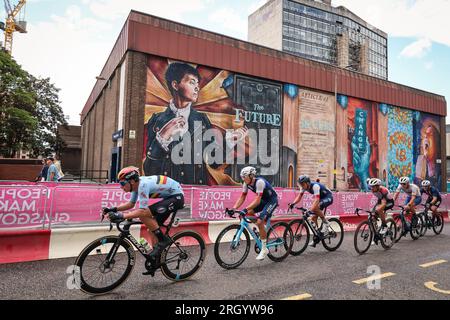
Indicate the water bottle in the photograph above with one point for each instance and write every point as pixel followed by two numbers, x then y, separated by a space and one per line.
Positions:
pixel 145 244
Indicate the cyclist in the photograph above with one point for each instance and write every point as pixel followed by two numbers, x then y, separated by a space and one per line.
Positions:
pixel 153 216
pixel 385 201
pixel 322 199
pixel 265 203
pixel 434 197
pixel 414 196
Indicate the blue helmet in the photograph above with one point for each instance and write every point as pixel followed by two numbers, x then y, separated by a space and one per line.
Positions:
pixel 303 179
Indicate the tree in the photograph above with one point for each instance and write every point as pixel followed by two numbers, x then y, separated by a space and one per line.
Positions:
pixel 30 111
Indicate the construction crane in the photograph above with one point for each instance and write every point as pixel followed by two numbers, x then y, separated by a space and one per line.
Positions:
pixel 11 24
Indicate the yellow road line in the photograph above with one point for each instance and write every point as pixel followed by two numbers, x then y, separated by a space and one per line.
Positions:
pixel 299 297
pixel 432 286
pixel 371 278
pixel 433 263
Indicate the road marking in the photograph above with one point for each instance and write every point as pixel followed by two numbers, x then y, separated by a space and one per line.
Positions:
pixel 432 286
pixel 377 277
pixel 433 263
pixel 299 297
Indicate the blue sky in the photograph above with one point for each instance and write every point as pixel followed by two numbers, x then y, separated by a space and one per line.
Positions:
pixel 70 40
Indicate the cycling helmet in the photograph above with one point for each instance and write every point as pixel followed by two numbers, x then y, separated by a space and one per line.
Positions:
pixel 245 172
pixel 404 180
pixel 374 182
pixel 303 179
pixel 425 183
pixel 128 173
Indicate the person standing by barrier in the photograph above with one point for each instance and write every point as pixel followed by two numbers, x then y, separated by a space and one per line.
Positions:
pixel 57 164
pixel 43 173
pixel 53 173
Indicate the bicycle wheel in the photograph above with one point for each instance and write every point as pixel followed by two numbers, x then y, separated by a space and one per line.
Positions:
pixel 279 241
pixel 229 251
pixel 96 274
pixel 416 227
pixel 363 237
pixel 399 228
pixel 300 232
pixel 388 239
pixel 184 257
pixel 438 223
pixel 424 228
pixel 335 235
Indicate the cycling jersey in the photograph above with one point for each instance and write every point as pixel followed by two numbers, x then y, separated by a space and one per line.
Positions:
pixel 318 190
pixel 431 193
pixel 153 187
pixel 262 188
pixel 383 193
pixel 412 190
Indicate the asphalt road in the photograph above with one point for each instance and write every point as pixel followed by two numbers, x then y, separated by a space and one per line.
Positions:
pixel 316 274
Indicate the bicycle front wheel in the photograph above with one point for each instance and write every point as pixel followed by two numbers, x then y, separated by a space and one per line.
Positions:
pixel 184 257
pixel 399 228
pixel 301 236
pixel 388 239
pixel 363 237
pixel 105 264
pixel 279 241
pixel 425 224
pixel 416 226
pixel 335 235
pixel 230 250
pixel 438 223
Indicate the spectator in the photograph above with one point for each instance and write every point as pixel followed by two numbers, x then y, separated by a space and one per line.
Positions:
pixel 53 173
pixel 43 173
pixel 57 164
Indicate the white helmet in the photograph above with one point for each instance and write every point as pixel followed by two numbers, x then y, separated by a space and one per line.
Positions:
pixel 403 180
pixel 425 183
pixel 374 182
pixel 245 172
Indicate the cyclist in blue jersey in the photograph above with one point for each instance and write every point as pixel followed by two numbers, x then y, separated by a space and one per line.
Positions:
pixel 434 197
pixel 265 203
pixel 153 216
pixel 322 199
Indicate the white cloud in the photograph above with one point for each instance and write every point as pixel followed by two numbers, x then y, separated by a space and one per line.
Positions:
pixel 405 18
pixel 417 49
pixel 230 19
pixel 255 6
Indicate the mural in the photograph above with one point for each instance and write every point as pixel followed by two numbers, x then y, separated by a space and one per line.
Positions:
pixel 316 136
pixel 400 145
pixel 203 124
pixel 427 148
pixel 362 141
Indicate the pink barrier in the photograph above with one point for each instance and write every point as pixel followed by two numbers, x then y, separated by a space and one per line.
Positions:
pixel 39 205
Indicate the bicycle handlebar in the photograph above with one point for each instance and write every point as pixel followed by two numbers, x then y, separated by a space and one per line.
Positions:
pixel 241 213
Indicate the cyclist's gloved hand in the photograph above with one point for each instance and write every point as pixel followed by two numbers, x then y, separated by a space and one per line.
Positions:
pixel 229 212
pixel 107 210
pixel 115 216
pixel 291 206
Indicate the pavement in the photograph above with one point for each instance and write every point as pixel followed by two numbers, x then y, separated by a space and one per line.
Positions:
pixel 410 270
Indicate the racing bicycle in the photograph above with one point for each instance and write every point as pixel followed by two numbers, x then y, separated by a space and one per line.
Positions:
pixel 106 263
pixel 403 225
pixel 369 230
pixel 233 243
pixel 301 231
pixel 431 221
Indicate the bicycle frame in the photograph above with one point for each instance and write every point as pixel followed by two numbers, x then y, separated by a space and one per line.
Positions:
pixel 246 225
pixel 370 219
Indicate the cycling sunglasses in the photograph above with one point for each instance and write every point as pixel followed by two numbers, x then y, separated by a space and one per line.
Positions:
pixel 123 183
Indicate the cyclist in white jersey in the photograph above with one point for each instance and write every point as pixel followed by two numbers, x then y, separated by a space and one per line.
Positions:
pixel 414 197
pixel 153 216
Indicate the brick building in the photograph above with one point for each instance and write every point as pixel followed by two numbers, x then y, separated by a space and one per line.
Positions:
pixel 333 124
